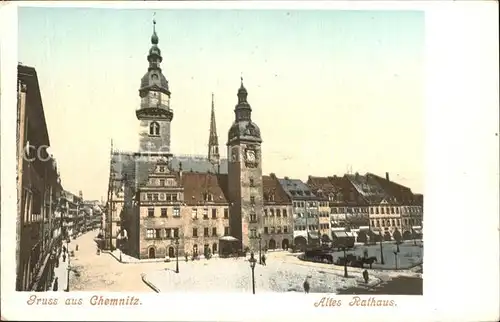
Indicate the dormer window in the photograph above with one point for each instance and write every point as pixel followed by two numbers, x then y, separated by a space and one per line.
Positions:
pixel 154 129
pixel 207 197
pixel 271 196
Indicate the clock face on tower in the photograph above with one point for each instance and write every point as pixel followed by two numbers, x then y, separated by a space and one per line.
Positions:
pixel 251 158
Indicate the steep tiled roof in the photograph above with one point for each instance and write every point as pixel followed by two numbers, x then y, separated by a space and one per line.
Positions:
pixel 272 187
pixel 368 188
pixel 296 189
pixel 197 164
pixel 346 193
pixel 419 199
pixel 401 193
pixel 197 184
pixel 322 186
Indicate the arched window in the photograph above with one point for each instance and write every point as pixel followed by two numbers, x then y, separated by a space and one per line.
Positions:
pixel 154 128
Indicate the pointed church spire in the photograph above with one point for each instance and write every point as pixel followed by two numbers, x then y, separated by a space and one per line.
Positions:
pixel 213 142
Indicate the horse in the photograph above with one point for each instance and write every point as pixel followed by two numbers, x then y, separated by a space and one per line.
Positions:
pixel 370 260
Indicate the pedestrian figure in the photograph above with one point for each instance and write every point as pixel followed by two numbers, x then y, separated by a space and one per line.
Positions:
pixel 365 276
pixel 306 285
pixel 56 284
pixel 64 257
pixel 365 253
pixel 64 249
pixel 76 247
pixel 263 259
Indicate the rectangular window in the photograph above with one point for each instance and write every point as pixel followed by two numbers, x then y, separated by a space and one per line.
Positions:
pixel 278 213
pixel 252 200
pixel 149 196
pixel 214 213
pixel 162 182
pixel 253 218
pixel 278 230
pixel 226 231
pixel 150 233
pixel 251 182
pixel 272 230
pixel 265 212
pixel 205 213
pixel 214 231
pixel 226 213
pixel 195 232
pixel 164 212
pixel 285 229
pixel 174 197
pixel 151 212
pixel 176 232
pixel 168 233
pixel 177 212
pixel 284 213
pixel 155 197
pixel 205 232
pixel 253 233
pixel 266 230
pixel 271 212
pixel 169 197
pixel 194 213
pixel 157 233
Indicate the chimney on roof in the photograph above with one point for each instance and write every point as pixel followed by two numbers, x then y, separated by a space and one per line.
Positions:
pixel 272 175
pixel 286 178
pixel 387 176
pixel 180 170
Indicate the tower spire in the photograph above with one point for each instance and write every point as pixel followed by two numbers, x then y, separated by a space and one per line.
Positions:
pixel 213 141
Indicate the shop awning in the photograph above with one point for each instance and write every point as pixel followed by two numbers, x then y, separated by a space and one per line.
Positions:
pixel 228 238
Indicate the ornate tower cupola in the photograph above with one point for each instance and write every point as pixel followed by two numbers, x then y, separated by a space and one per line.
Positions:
pixel 243 128
pixel 154 113
pixel 213 141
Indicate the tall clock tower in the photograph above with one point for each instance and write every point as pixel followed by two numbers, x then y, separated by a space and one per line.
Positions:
pixel 154 113
pixel 245 175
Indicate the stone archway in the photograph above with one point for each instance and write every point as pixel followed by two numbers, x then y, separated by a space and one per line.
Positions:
pixel 285 244
pixel 300 242
pixel 272 244
pixel 171 252
pixel 387 236
pixel 406 235
pixel 325 238
pixel 151 252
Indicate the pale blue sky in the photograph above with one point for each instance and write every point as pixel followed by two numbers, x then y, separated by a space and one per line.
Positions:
pixel 329 89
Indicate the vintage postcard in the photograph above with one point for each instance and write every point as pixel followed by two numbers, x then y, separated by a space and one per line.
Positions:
pixel 227 156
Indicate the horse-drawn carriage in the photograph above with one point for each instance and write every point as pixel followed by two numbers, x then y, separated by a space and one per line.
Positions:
pixel 356 261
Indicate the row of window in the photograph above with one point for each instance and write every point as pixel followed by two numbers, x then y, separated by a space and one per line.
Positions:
pixel 166 233
pixel 213 213
pixel 324 226
pixel 162 182
pixel 171 197
pixel 275 230
pixel 302 227
pixel 278 212
pixel 164 212
pixel 303 204
pixel 373 210
pixel 162 233
pixel 395 222
pixel 309 215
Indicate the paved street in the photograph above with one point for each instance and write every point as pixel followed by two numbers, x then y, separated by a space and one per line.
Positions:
pixel 396 286
pixel 92 272
pixel 284 272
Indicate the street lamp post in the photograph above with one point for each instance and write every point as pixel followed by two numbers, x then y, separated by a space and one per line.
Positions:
pixel 345 263
pixel 396 258
pixel 177 255
pixel 252 261
pixel 381 251
pixel 260 249
pixel 68 269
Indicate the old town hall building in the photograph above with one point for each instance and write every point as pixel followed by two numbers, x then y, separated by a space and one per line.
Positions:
pixel 158 201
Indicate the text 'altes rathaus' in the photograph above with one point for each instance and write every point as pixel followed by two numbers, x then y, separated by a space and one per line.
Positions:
pixel 157 200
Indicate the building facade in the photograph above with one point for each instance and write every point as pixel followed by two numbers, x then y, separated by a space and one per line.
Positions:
pixel 305 212
pixel 39 190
